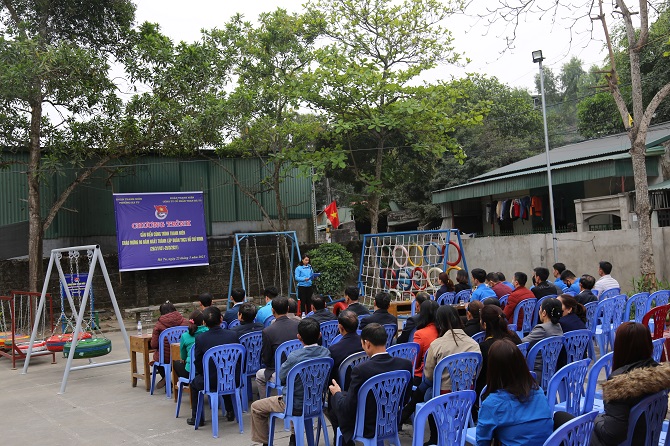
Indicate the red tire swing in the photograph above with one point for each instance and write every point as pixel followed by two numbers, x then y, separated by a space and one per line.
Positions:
pixel 458 250
pixel 390 278
pixel 419 278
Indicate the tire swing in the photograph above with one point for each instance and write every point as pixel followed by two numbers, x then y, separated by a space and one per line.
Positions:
pixel 433 277
pixel 432 254
pixel 458 250
pixel 419 278
pixel 96 344
pixel 415 255
pixel 390 278
pixel 404 279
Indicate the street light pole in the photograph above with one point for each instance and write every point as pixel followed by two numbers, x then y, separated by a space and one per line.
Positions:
pixel 537 58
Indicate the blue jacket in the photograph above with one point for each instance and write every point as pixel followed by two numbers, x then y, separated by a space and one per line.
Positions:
pixel 515 423
pixel 304 272
pixel 560 284
pixel 482 292
pixel 263 313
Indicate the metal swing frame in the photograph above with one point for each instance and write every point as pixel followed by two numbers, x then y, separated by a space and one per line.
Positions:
pixel 237 258
pixel 95 259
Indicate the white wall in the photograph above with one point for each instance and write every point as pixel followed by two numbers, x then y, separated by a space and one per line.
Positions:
pixel 580 252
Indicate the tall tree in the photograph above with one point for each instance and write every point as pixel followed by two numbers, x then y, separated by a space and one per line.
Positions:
pixel 634 17
pixel 54 57
pixel 376 50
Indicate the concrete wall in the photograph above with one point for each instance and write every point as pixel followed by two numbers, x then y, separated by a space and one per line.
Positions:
pixel 580 252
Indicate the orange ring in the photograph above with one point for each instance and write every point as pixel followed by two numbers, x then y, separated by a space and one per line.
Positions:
pixel 458 250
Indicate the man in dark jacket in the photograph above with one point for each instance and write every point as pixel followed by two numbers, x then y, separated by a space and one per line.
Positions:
pixel 211 338
pixel 348 345
pixel 373 340
pixel 542 286
pixel 246 317
pixel 586 284
pixel 281 330
pixel 319 310
pixel 351 298
pixel 381 315
pixel 237 296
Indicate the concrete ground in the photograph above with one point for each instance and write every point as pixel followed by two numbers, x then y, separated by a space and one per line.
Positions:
pixel 99 406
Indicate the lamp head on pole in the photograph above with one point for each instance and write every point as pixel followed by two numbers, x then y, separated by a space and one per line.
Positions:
pixel 537 56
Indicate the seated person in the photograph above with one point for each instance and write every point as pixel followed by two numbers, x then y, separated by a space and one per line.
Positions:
pixel 169 317
pixel 606 281
pixel 351 298
pixel 550 314
pixel 319 310
pixel 558 269
pixel 570 281
pixel 196 325
pixel 309 334
pixel 246 316
pixel 237 297
pixel 520 293
pixel 481 291
pixel 344 403
pixel 514 409
pixel 205 300
pixel 471 325
pixel 381 315
pixel 410 323
pixel 585 295
pixel 347 323
pixel 462 283
pixel 293 309
pixel 542 286
pixel 446 285
pixel 497 286
pixel 266 311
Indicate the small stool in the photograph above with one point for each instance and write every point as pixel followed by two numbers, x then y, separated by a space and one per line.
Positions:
pixel 140 344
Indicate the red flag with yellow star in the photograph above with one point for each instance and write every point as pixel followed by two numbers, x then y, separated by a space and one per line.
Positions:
pixel 331 213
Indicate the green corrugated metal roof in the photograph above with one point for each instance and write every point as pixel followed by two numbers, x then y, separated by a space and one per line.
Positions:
pixel 665 185
pixel 588 160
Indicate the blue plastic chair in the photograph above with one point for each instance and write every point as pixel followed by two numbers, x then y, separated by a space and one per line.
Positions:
pixel 408 350
pixel 388 390
pixel 591 308
pixel 268 320
pixel 168 336
pixel 576 432
pixel 509 284
pixel 463 296
pixel 528 306
pixel 479 337
pixel 223 325
pixel 360 318
pixel 252 343
pixel 284 349
pixel 603 324
pixel 229 362
pixel 447 298
pixel 451 412
pixel 336 339
pixel 658 345
pixel 234 323
pixel 576 344
pixel 182 382
pixel 538 305
pixel 344 371
pixel 569 383
pixel 638 303
pixel 653 408
pixel 592 399
pixel 610 292
pixel 329 330
pixel 524 348
pixel 661 297
pixel 549 349
pixel 503 301
pixel 313 375
pixel 570 293
pixel 391 330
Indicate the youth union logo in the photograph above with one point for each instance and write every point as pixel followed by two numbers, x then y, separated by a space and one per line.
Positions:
pixel 161 211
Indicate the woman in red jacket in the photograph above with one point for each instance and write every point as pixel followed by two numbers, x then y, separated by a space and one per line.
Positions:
pixel 169 317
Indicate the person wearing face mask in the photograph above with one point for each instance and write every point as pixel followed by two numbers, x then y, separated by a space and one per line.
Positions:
pixel 542 286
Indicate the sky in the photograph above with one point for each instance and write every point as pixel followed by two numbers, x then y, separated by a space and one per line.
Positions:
pixel 484 45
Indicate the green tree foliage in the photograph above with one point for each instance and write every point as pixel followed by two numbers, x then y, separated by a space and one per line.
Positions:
pixel 598 116
pixel 335 264
pixel 363 82
pixel 54 58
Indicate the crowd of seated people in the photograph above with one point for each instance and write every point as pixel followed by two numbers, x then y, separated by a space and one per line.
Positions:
pixel 513 408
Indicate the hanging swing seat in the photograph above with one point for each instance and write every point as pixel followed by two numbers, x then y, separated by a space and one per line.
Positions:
pixel 19 339
pixel 38 346
pixel 56 343
pixel 89 348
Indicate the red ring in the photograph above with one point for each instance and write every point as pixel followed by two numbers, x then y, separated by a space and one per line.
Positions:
pixel 458 250
pixel 425 277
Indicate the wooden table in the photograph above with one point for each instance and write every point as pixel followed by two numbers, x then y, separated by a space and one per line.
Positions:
pixel 175 354
pixel 140 344
pixel 402 307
